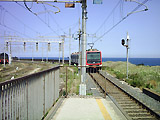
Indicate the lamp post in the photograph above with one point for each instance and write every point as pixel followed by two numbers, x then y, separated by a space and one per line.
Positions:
pixel 127 48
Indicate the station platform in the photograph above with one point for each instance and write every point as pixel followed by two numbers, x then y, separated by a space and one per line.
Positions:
pixel 88 108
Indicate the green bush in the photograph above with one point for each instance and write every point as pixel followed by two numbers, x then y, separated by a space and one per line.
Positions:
pixel 148 85
pixel 134 76
pixel 135 82
pixel 109 68
pixel 139 75
pixel 119 75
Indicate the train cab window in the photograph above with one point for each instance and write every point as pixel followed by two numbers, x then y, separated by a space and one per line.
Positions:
pixel 93 57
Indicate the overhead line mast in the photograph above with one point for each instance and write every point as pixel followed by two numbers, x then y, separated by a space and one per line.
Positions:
pixel 83 45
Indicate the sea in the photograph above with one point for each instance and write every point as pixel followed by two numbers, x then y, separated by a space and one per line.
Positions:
pixel 136 61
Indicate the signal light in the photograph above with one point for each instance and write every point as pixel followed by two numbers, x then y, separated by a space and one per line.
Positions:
pixel 36 46
pixel 24 46
pixel 7 46
pixel 123 42
pixel 60 46
pixel 49 47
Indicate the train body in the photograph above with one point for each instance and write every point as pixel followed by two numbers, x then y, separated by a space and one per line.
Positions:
pixel 93 60
pixel 2 58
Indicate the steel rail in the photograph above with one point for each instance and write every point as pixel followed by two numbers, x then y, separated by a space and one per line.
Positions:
pixel 139 103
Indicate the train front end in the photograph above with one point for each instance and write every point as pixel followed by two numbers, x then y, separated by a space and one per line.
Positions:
pixel 93 61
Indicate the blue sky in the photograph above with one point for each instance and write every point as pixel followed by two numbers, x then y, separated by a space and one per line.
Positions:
pixel 143 27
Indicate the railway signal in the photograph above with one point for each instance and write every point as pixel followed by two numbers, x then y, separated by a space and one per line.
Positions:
pixel 24 44
pixel 7 46
pixel 123 42
pixel 36 46
pixel 127 47
pixel 49 46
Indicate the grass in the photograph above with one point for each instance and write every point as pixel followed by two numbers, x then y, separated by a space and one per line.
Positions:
pixel 73 79
pixel 139 75
pixel 23 69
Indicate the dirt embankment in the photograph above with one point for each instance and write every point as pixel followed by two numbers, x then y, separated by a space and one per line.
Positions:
pixel 19 69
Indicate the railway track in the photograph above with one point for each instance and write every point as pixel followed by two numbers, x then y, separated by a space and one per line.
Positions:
pixel 130 107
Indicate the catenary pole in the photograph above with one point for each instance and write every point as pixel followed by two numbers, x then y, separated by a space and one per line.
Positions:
pixel 79 37
pixel 79 58
pixel 83 45
pixel 4 62
pixel 84 41
pixel 69 46
pixel 63 50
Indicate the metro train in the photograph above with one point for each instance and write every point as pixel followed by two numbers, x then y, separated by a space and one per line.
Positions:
pixel 2 58
pixel 93 60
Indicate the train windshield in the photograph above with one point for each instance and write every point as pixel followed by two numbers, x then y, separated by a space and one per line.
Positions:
pixel 93 57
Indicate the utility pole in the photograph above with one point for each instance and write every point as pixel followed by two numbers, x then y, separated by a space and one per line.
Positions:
pixel 32 53
pixel 79 37
pixel 42 53
pixel 60 49
pixel 10 55
pixel 63 50
pixel 127 48
pixel 47 56
pixel 70 46
pixel 4 61
pixel 4 51
pixel 83 43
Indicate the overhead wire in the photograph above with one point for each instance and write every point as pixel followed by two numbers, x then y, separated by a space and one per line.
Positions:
pixel 49 5
pixel 2 16
pixel 73 26
pixel 18 19
pixel 39 18
pixel 54 19
pixel 121 8
pixel 15 30
pixel 108 16
pixel 133 11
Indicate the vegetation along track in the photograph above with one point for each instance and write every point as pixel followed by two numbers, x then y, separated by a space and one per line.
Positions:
pixel 131 108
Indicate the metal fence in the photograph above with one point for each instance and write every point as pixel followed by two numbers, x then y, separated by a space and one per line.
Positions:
pixel 29 97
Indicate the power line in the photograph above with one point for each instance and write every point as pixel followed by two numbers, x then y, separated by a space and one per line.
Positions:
pixel 39 19
pixel 14 30
pixel 122 19
pixel 108 16
pixel 18 19
pixel 72 26
pixel 54 19
pixel 57 23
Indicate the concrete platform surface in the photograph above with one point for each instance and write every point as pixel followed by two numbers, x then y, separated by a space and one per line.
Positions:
pixel 75 108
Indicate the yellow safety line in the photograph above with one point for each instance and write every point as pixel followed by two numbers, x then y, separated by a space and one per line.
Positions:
pixel 103 110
